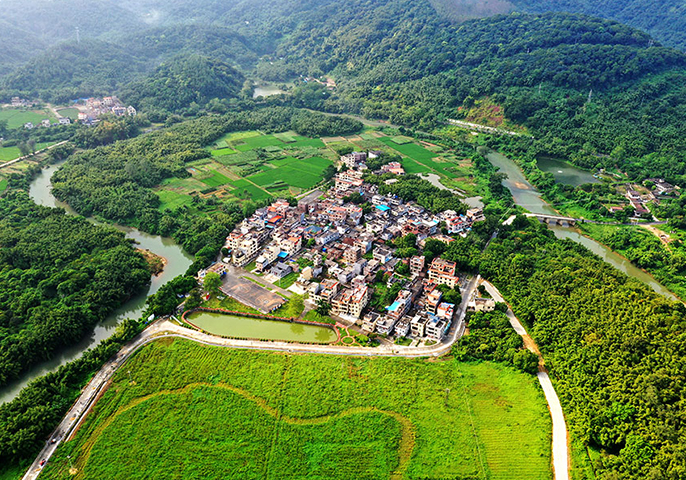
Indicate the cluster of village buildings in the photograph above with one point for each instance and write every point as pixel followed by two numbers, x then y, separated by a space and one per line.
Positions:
pixel 338 250
pixel 96 107
pixel 90 111
pixel 640 201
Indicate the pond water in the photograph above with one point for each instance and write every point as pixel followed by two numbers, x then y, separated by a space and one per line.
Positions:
pixel 525 195
pixel 266 91
pixel 258 328
pixel 565 172
pixel 178 262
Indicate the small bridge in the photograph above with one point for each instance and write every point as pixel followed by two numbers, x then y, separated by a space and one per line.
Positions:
pixel 554 219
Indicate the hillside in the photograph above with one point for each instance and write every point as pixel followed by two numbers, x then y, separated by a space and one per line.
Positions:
pixel 71 69
pixel 664 19
pixel 177 84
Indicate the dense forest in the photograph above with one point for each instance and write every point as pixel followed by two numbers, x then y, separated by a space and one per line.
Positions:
pixel 614 348
pixel 184 82
pixel 665 20
pixel 59 276
pixel 592 90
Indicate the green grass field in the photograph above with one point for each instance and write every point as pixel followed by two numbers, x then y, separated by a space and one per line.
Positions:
pixel 10 153
pixel 195 411
pixel 72 113
pixel 222 151
pixel 16 118
pixel 245 190
pixel 3 184
pixel 215 180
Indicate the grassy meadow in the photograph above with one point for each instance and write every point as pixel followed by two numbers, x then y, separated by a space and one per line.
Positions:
pixel 17 117
pixel 194 411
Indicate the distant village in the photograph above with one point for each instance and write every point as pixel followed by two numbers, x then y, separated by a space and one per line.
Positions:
pixel 90 111
pixel 341 254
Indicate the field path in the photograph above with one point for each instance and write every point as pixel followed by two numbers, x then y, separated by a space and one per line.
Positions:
pixel 405 446
pixel 32 154
pixel 560 444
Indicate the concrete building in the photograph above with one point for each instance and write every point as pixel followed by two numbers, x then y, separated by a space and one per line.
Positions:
pixel 417 264
pixel 351 302
pixel 443 272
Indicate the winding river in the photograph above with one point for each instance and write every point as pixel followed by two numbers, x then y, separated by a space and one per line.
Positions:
pixel 177 263
pixel 525 195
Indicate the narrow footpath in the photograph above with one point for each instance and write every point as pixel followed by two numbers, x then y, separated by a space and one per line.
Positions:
pixel 560 447
pixel 11 162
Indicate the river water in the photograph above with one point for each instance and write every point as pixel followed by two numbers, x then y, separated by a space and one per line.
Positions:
pixel 525 195
pixel 178 262
pixel 261 329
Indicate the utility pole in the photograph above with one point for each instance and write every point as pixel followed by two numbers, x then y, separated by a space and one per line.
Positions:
pixel 590 95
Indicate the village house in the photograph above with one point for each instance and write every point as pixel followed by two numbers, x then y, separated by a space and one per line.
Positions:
pixel 369 321
pixel 443 272
pixel 351 302
pixel 417 264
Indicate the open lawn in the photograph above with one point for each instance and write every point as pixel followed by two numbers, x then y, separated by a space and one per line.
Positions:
pixel 3 184
pixel 193 411
pixel 10 153
pixel 18 117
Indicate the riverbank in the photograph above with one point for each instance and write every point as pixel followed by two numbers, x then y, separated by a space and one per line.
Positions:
pixel 177 262
pixel 157 263
pixel 526 196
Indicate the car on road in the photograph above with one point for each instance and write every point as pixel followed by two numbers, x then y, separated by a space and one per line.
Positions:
pixel 42 462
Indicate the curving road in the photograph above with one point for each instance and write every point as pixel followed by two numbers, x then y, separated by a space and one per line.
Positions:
pixel 560 447
pixel 164 328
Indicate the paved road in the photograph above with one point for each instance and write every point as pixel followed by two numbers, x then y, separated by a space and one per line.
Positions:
pixel 560 447
pixel 165 328
pixel 31 155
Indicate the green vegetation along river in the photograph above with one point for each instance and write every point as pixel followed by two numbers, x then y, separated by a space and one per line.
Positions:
pixel 177 263
pixel 525 195
pixel 257 328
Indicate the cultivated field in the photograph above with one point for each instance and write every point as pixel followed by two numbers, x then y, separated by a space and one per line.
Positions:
pixel 193 411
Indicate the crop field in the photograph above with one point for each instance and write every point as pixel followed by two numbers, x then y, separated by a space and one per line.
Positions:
pixel 215 180
pixel 245 190
pixel 16 118
pixel 3 184
pixel 194 411
pixel 172 200
pixel 299 173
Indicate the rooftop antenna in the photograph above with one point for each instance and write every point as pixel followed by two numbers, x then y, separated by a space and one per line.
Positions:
pixel 78 36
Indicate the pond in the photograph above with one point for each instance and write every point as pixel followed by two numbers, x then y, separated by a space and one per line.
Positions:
pixel 565 172
pixel 258 328
pixel 266 91
pixel 525 195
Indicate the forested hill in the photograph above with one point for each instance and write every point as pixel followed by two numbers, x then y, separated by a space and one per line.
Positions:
pixel 615 350
pixel 663 19
pixel 182 82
